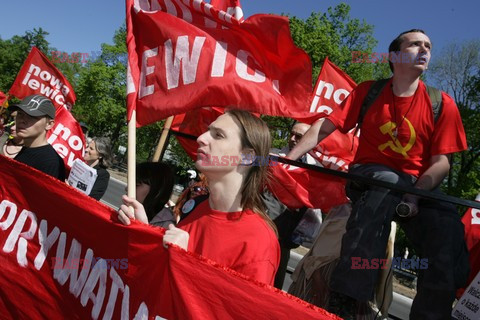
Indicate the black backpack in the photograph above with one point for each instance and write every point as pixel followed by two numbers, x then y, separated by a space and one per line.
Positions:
pixel 377 87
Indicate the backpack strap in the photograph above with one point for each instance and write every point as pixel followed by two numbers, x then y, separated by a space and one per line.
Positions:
pixel 190 205
pixel 373 93
pixel 377 87
pixel 436 100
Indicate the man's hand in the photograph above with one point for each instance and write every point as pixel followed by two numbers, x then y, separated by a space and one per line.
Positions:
pixel 176 236
pixel 131 209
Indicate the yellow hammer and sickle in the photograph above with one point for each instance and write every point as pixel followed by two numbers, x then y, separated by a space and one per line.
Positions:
pixel 395 144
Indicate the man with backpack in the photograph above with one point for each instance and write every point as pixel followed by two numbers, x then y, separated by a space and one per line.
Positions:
pixel 408 134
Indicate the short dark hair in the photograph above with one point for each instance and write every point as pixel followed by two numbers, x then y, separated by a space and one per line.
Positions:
pixel 159 176
pixel 397 42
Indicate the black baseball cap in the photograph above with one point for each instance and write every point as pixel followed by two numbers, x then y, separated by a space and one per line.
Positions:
pixel 37 106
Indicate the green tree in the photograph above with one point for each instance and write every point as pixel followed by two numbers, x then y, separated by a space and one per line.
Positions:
pixel 14 51
pixel 334 34
pixel 457 71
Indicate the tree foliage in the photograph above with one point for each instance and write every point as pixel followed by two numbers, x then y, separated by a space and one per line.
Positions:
pixel 14 51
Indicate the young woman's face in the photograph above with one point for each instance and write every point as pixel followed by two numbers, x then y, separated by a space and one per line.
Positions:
pixel 220 148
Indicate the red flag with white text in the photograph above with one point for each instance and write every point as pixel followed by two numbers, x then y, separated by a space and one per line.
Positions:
pixel 179 60
pixel 98 268
pixel 40 76
pixel 332 87
pixel 471 221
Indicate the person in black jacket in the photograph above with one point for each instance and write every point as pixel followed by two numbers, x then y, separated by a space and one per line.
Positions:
pixel 99 156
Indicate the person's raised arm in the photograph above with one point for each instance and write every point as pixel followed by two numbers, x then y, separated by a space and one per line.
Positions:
pixel 321 129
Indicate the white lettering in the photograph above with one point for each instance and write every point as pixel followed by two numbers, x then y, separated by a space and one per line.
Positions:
pixel 475 216
pixel 63 271
pixel 21 237
pixel 12 213
pixel 241 68
pixel 219 59
pixel 181 57
pixel 46 241
pixel 97 276
pixel 146 70
pixel 337 96
pixel 117 283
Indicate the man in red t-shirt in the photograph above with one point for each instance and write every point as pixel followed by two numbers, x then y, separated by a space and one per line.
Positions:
pixel 400 142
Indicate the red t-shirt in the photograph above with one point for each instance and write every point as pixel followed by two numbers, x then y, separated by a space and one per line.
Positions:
pixel 242 241
pixel 418 137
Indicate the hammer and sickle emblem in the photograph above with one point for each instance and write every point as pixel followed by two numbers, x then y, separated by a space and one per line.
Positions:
pixel 395 144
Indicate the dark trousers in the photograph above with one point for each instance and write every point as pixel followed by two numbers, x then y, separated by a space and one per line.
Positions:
pixel 436 232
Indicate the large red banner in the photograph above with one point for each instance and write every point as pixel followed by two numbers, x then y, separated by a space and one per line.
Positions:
pixel 40 76
pixel 64 256
pixel 180 60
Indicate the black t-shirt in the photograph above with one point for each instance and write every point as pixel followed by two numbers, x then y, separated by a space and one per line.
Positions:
pixel 43 158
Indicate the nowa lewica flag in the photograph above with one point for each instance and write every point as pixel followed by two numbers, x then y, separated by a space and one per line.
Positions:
pixel 180 60
pixel 65 256
pixel 40 76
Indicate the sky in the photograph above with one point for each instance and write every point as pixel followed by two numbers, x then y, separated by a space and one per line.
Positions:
pixel 82 26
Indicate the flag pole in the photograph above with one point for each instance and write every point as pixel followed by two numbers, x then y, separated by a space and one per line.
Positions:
pixel 131 162
pixel 162 143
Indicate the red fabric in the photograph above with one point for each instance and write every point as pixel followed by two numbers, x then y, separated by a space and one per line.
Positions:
pixel 3 98
pixel 418 136
pixel 230 6
pixel 173 283
pixel 297 187
pixel 471 220
pixel 275 80
pixel 333 86
pixel 241 241
pixel 39 76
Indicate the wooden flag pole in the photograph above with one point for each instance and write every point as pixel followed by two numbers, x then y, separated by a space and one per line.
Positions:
pixel 162 143
pixel 131 153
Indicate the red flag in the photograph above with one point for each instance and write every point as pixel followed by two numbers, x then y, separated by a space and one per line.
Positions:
pixel 3 98
pixel 97 268
pixel 302 187
pixel 232 7
pixel 40 76
pixel 178 62
pixel 471 220
pixel 333 86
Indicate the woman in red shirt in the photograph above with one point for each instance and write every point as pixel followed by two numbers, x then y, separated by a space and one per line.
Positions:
pixel 231 226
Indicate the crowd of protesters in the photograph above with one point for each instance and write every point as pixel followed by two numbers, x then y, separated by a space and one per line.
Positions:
pixel 227 216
